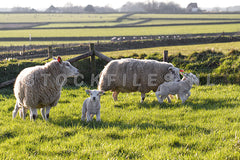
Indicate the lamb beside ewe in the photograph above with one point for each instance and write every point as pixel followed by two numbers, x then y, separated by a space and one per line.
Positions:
pixel 91 106
pixel 131 75
pixel 40 87
pixel 182 88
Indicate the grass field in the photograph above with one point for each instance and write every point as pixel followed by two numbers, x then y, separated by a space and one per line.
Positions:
pixel 205 127
pixel 204 16
pixel 138 31
pixel 20 18
pixel 71 25
pixel 183 49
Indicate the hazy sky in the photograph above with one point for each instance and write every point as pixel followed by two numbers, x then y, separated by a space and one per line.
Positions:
pixel 43 4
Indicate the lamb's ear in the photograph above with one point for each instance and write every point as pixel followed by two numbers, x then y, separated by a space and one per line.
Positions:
pixel 88 91
pixel 59 59
pixel 101 92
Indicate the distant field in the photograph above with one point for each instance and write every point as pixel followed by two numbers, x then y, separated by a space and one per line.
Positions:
pixel 86 24
pixel 205 16
pixel 159 22
pixel 183 49
pixel 101 32
pixel 11 18
pixel 72 25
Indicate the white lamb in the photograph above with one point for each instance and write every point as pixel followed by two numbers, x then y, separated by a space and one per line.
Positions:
pixel 182 88
pixel 91 106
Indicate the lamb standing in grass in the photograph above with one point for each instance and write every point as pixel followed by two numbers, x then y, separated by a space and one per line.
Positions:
pixel 40 87
pixel 91 106
pixel 182 88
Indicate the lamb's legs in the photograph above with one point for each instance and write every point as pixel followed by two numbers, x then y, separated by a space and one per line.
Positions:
pixel 157 95
pixel 115 95
pixel 169 100
pixel 16 108
pixel 183 98
pixel 142 97
pixel 98 116
pixel 84 110
pixel 89 117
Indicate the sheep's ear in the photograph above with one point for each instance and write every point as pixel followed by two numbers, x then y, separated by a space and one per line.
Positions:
pixel 59 59
pixel 88 91
pixel 171 69
pixel 101 92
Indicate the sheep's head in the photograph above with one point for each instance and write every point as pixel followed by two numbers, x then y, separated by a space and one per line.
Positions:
pixel 94 95
pixel 67 68
pixel 172 75
pixel 192 77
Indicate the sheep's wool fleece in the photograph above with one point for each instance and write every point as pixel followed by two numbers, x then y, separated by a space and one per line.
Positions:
pixel 126 72
pixel 33 90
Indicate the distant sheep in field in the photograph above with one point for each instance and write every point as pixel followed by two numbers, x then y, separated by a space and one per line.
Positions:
pixel 181 88
pixel 40 87
pixel 91 106
pixel 131 75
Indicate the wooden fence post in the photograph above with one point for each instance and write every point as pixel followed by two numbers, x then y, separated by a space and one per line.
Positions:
pixel 50 52
pixel 165 56
pixel 92 59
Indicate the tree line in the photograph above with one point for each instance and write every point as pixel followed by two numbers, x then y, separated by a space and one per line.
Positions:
pixel 149 7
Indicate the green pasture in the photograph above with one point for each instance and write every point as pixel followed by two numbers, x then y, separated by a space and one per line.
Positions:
pixel 205 127
pixel 59 25
pixel 124 31
pixel 160 22
pixel 39 17
pixel 203 16
pixel 173 50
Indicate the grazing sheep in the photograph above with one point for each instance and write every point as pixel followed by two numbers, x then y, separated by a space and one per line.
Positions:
pixel 91 106
pixel 40 87
pixel 131 75
pixel 182 88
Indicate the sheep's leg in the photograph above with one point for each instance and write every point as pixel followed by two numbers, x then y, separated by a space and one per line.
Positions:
pixel 84 110
pixel 16 108
pixel 24 111
pixel 98 116
pixel 169 100
pixel 157 95
pixel 47 113
pixel 183 98
pixel 162 98
pixel 21 114
pixel 142 97
pixel 89 118
pixel 115 95
pixel 43 113
pixel 33 113
pixel 177 96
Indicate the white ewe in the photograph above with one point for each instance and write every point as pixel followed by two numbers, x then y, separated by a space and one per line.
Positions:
pixel 131 75
pixel 91 106
pixel 182 88
pixel 40 87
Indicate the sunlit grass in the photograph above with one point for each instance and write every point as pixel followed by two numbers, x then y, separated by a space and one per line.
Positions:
pixel 205 127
